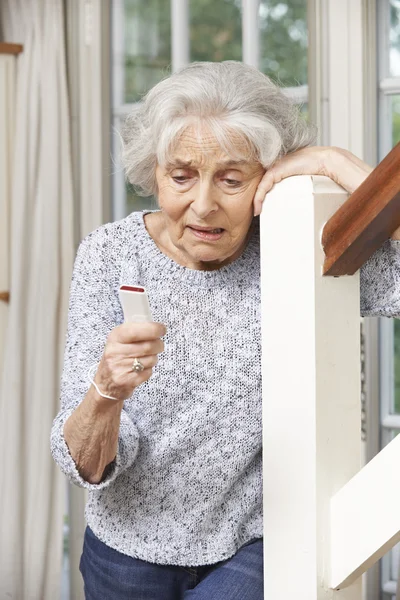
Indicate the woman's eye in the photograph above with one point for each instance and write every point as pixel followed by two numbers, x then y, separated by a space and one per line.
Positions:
pixel 232 182
pixel 180 179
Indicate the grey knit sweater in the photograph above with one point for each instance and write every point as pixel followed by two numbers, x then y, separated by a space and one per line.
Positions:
pixel 186 485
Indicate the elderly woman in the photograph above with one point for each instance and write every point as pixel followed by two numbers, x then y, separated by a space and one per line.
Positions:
pixel 173 462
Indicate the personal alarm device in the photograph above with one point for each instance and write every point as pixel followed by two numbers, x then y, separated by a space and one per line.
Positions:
pixel 135 303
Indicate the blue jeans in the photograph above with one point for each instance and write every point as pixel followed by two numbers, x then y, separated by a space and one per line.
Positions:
pixel 111 575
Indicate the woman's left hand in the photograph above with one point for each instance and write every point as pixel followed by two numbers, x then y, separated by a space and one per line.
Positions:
pixel 340 165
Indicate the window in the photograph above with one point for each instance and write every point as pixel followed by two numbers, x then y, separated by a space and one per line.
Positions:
pixel 215 30
pixel 147 46
pixel 284 41
pixel 141 50
pixel 142 54
pixel 389 329
pixel 284 46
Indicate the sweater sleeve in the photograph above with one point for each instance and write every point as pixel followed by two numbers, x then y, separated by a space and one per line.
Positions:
pixel 91 317
pixel 380 282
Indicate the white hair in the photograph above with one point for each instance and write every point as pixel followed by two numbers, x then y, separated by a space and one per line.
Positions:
pixel 229 97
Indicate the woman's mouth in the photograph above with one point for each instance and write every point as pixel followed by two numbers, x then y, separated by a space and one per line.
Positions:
pixel 207 234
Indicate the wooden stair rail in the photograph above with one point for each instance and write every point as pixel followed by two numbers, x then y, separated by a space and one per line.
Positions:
pixel 365 221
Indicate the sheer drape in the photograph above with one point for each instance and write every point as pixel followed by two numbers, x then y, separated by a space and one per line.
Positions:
pixel 32 489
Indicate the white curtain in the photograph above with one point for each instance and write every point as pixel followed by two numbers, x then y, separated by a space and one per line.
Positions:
pixel 42 250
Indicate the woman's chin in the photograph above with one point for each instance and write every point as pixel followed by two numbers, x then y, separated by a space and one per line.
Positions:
pixel 211 257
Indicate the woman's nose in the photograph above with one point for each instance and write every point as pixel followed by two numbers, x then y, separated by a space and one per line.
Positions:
pixel 205 200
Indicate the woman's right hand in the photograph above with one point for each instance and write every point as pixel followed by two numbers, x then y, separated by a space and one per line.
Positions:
pixel 126 342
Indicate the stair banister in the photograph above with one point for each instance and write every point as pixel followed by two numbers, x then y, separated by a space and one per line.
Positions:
pixel 311 382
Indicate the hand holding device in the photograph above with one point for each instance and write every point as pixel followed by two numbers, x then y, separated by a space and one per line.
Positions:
pixel 131 349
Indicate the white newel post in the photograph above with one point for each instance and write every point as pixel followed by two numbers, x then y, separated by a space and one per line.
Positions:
pixel 311 389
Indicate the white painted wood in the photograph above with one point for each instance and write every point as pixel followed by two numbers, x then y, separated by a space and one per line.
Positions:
pixel 340 71
pixel 180 34
pixel 88 27
pixel 365 516
pixel 390 85
pixel 7 103
pixel 370 76
pixel 391 421
pixel 119 108
pixel 345 68
pixel 317 20
pixel 250 33
pixel 298 94
pixel 94 113
pixel 343 104
pixel 311 389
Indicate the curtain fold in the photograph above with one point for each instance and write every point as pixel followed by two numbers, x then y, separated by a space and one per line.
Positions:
pixel 42 252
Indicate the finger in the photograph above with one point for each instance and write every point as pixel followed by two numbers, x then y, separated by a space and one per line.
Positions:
pixel 274 176
pixel 148 362
pixel 265 185
pixel 139 332
pixel 125 365
pixel 146 348
pixel 259 199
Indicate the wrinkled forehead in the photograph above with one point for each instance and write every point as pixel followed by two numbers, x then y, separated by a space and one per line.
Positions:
pixel 198 144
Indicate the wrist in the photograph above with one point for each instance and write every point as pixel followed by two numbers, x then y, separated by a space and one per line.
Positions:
pixel 100 405
pixel 345 169
pixel 333 164
pixel 102 393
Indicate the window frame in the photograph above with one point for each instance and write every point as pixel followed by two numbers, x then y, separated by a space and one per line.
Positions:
pixel 316 96
pixel 180 56
pixel 388 422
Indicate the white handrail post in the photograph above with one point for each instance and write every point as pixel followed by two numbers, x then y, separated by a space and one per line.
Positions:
pixel 311 389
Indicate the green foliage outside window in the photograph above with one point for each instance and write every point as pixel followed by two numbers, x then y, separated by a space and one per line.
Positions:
pixel 215 30
pixel 284 41
pixel 394 39
pixel 215 35
pixel 147 45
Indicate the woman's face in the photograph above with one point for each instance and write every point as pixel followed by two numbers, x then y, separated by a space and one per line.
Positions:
pixel 202 188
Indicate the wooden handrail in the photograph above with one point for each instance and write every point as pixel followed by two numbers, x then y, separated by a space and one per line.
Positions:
pixel 365 221
pixel 10 48
pixel 5 296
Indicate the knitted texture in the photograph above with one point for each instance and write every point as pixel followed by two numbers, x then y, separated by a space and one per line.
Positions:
pixel 186 485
